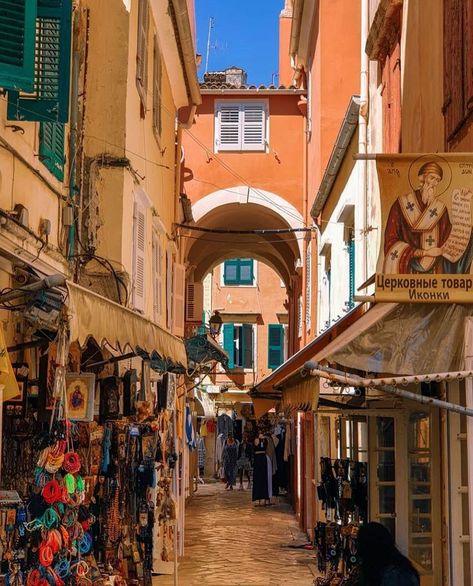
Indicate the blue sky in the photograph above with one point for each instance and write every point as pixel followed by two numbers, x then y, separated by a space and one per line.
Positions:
pixel 246 34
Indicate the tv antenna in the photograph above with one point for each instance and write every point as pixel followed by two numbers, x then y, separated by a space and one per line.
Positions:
pixel 211 25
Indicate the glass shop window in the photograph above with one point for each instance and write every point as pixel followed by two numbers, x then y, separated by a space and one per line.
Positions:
pixel 420 489
pixel 386 472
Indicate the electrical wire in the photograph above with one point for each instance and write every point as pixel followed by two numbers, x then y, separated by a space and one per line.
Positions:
pixel 232 241
pixel 244 232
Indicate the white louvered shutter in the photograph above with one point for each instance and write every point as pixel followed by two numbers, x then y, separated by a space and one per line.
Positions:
pixel 169 288
pixel 139 245
pixel 229 127
pixel 157 279
pixel 178 299
pixel 254 127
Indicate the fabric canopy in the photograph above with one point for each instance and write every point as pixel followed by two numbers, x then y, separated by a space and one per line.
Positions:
pixel 410 339
pixel 262 406
pixel 92 315
pixel 303 395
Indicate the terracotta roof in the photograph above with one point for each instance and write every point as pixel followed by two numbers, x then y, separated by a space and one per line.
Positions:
pixel 229 86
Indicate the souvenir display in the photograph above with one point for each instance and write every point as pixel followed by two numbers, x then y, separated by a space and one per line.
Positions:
pixel 343 491
pixel 89 498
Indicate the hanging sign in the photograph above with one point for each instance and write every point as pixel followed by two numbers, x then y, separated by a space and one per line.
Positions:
pixel 426 242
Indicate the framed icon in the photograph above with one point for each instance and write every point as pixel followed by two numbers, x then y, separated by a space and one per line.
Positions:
pixel 80 395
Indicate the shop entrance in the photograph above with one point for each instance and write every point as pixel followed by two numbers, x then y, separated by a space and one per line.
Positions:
pixel 402 451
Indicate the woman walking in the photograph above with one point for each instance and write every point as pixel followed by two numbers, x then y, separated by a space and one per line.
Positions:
pixel 245 460
pixel 230 457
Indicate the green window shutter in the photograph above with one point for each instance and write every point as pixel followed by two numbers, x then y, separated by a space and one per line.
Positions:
pixel 49 99
pixel 247 340
pixel 229 343
pixel 230 272
pixel 238 271
pixel 246 271
pixel 17 43
pixel 51 148
pixel 275 345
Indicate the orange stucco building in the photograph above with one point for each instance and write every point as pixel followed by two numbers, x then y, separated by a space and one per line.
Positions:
pixel 244 170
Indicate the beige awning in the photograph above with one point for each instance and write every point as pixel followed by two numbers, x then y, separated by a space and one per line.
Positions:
pixel 92 315
pixel 303 395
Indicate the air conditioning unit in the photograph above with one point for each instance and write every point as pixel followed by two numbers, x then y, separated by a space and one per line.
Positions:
pixel 194 302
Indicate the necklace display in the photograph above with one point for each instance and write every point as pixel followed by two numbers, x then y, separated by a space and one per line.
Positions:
pixel 85 501
pixel 343 492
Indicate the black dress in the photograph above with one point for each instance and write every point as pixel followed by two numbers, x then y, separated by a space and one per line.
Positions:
pixel 260 471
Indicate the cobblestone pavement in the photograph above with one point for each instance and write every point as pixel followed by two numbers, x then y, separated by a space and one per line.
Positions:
pixel 230 542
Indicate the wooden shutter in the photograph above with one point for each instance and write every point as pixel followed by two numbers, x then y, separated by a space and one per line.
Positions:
pixel 248 349
pixel 453 107
pixel 229 343
pixel 157 83
pixel 51 147
pixel 392 101
pixel 246 271
pixel 228 127
pixel 468 55
pixel 169 287
pixel 142 53
pixel 49 99
pixel 254 127
pixel 194 302
pixel 178 299
pixel 299 317
pixel 139 247
pixel 17 42
pixel 157 278
pixel 275 345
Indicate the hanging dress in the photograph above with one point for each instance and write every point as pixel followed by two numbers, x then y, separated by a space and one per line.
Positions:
pixel 261 489
pixel 230 457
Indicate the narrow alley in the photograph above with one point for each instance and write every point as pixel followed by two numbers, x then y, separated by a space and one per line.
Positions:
pixel 236 245
pixel 231 542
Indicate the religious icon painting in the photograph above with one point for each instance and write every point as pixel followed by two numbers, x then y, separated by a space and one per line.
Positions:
pixel 148 446
pixel 80 393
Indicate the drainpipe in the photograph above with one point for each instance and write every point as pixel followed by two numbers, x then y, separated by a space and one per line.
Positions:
pixel 295 32
pixel 363 130
pixel 187 49
pixel 72 151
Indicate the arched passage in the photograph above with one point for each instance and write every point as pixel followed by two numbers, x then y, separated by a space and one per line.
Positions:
pixel 243 208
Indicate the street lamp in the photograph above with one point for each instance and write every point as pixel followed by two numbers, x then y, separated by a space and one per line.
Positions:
pixel 215 324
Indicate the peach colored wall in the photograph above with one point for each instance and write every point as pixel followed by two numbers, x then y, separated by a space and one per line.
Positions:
pixel 278 171
pixel 266 298
pixel 335 77
pixel 285 70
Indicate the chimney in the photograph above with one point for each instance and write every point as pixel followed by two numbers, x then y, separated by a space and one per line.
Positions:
pixel 235 76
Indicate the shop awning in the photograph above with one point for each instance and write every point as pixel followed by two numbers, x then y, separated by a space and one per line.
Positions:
pixel 408 339
pixel 92 315
pixel 401 339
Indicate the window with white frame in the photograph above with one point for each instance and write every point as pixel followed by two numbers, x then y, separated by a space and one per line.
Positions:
pixel 241 126
pixel 239 271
